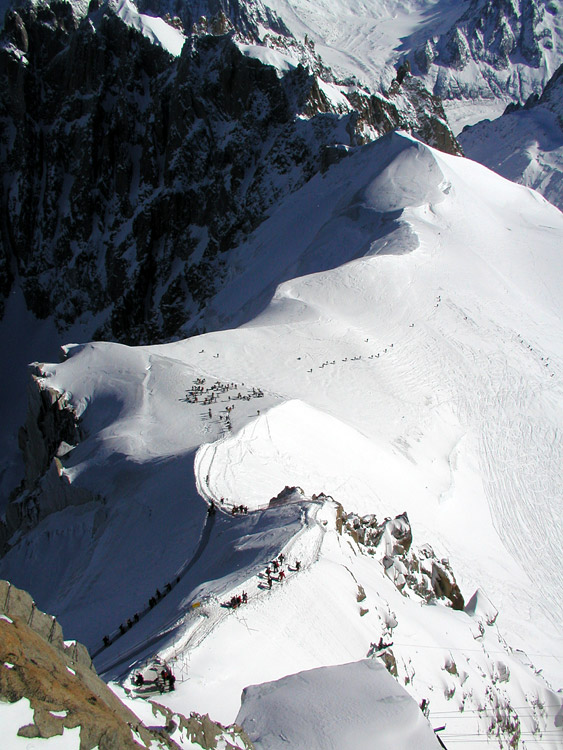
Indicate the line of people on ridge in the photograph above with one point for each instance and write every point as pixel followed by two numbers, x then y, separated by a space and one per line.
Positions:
pixel 123 628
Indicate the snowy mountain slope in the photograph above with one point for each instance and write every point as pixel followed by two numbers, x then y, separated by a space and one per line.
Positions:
pixel 477 55
pixel 156 165
pixel 525 144
pixel 155 177
pixel 413 365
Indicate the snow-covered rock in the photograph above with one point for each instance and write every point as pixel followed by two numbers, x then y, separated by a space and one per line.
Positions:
pixel 494 52
pixel 355 705
pixel 161 157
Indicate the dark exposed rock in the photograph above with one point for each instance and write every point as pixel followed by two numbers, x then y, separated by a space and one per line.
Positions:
pixel 402 533
pixel 16 31
pixel 50 422
pixel 444 584
pixel 130 174
pixel 388 658
pixel 219 16
pixel 491 31
pixel 52 430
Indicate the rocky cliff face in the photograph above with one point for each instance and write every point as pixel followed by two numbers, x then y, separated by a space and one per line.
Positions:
pixel 552 96
pixel 128 174
pixel 219 15
pixel 51 430
pixel 56 684
pixel 496 49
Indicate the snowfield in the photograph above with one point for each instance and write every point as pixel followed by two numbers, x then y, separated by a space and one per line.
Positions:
pixel 400 349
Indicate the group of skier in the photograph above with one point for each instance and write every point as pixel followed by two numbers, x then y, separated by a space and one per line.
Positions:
pixel 164 677
pixel 237 600
pixel 200 393
pixel 275 571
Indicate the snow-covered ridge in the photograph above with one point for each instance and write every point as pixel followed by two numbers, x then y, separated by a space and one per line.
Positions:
pixel 403 349
pixel 154 28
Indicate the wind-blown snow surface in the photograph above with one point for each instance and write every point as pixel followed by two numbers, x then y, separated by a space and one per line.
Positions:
pixel 410 360
pixel 355 705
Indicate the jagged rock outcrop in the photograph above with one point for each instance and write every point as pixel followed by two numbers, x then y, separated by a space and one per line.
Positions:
pixel 63 691
pixel 60 683
pixel 420 573
pixel 51 430
pixel 508 43
pixel 202 730
pixel 287 495
pixel 129 173
pixel 218 16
